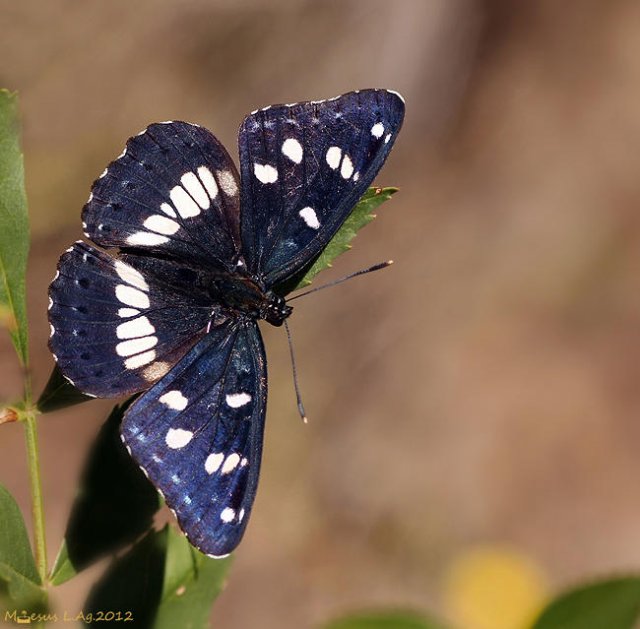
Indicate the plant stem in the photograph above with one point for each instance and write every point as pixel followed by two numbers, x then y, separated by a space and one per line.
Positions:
pixel 37 510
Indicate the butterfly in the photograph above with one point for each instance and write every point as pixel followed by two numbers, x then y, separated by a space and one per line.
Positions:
pixel 187 256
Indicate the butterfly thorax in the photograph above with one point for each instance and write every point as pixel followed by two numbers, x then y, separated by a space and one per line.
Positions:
pixel 242 295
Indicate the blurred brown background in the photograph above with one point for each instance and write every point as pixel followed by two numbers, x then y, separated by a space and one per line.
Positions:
pixel 485 388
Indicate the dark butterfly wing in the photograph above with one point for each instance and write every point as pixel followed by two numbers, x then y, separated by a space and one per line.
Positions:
pixel 114 329
pixel 174 191
pixel 197 434
pixel 303 168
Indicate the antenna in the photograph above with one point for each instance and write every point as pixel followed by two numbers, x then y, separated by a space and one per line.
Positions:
pixel 301 410
pixel 375 267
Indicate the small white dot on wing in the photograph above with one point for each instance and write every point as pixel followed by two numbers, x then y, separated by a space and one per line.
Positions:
pixel 310 217
pixel 136 346
pixel 387 138
pixel 52 330
pixel 140 359
pixel 265 173
pixel 161 224
pixel 177 438
pixel 356 177
pixel 50 303
pixel 244 462
pixel 228 515
pixel 132 296
pixel 186 206
pixel 230 463
pixel 57 275
pixel 236 400
pixel 193 186
pixel 292 149
pixel 346 170
pixel 377 130
pixel 213 462
pixel 131 276
pixel 333 157
pixel 174 400
pixel 241 515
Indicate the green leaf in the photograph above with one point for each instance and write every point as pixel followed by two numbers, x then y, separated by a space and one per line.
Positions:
pixel 59 393
pixel 14 227
pixel 361 215
pixel 114 506
pixel 614 604
pixel 163 582
pixel 385 620
pixel 18 572
pixel 192 582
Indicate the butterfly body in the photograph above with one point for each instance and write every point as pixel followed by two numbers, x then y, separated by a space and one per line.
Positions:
pixel 190 256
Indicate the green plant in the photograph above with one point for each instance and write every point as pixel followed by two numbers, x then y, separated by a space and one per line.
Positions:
pixel 157 579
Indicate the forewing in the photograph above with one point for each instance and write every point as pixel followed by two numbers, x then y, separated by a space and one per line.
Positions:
pixel 303 168
pixel 174 191
pixel 114 329
pixel 198 433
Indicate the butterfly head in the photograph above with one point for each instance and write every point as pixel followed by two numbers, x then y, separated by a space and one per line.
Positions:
pixel 274 309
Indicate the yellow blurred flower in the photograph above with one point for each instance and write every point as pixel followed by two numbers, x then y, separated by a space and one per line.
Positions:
pixel 493 587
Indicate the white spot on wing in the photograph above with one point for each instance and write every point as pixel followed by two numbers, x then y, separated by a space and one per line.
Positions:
pixel 135 328
pixel 292 149
pixel 377 130
pixel 346 170
pixel 128 312
pixel 135 346
pixel 230 463
pixel 228 183
pixel 140 359
pixel 241 515
pixel 310 217
pixel 236 400
pixel 186 206
pixel 213 462
pixel 193 186
pixel 178 438
pixel 333 157
pixel 52 330
pixel 161 224
pixel 265 173
pixel 168 210
pixel 130 275
pixel 228 515
pixel 387 138
pixel 209 181
pixel 132 296
pixel 174 400
pixel 146 239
